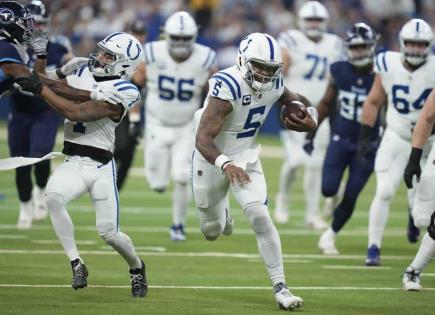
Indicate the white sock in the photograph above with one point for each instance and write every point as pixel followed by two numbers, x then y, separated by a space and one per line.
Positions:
pixel 180 201
pixel 378 216
pixel 425 253
pixel 268 241
pixel 124 246
pixel 312 191
pixel 62 225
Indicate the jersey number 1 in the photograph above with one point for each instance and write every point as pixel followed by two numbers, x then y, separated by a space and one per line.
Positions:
pixel 79 127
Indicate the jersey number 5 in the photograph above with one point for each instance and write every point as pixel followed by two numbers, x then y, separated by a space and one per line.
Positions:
pixel 401 104
pixel 169 88
pixel 249 124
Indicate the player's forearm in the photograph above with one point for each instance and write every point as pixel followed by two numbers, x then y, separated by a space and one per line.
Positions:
pixel 63 89
pixel 369 113
pixel 206 146
pixel 40 65
pixel 60 104
pixel 421 133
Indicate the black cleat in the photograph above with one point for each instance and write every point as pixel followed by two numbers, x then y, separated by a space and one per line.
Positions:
pixel 80 274
pixel 139 286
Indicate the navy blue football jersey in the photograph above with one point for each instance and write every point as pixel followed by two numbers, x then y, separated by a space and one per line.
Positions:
pixel 10 53
pixel 352 90
pixel 57 48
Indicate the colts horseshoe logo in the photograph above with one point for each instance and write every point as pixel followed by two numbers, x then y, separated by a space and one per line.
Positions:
pixel 129 48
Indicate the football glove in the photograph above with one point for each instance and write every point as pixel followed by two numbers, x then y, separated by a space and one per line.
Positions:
pixel 106 96
pixel 73 65
pixel 30 84
pixel 39 42
pixel 413 167
pixel 366 145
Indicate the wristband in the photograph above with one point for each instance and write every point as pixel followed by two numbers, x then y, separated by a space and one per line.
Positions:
pixel 313 113
pixel 221 160
pixel 134 117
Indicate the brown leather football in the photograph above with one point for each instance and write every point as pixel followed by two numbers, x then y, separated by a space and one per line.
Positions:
pixel 292 107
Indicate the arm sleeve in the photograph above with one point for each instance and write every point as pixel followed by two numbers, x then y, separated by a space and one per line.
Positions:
pixel 223 88
pixel 9 54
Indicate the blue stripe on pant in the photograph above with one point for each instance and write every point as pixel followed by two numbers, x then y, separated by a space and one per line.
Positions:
pixel 342 154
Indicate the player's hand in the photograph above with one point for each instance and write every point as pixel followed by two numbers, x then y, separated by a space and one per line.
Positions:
pixel 366 145
pixel 39 42
pixel 308 145
pixel 73 65
pixel 413 167
pixel 236 175
pixel 30 84
pixel 110 96
pixel 308 123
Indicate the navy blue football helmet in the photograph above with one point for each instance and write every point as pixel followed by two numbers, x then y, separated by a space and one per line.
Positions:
pixel 361 43
pixel 40 12
pixel 16 23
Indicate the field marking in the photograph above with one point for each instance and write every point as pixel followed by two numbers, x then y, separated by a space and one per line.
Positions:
pixel 201 254
pixel 286 261
pixel 159 249
pixel 428 274
pixel 344 267
pixel 195 230
pixel 83 242
pixel 12 237
pixel 197 287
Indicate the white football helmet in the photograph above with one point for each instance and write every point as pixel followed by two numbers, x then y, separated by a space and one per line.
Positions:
pixel 313 19
pixel 415 31
pixel 116 55
pixel 180 32
pixel 259 60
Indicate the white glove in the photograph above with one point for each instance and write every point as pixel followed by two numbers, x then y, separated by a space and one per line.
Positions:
pixel 111 97
pixel 73 65
pixel 39 41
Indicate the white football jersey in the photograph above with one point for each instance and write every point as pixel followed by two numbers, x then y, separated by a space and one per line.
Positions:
pixel 406 91
pixel 99 133
pixel 310 61
pixel 174 89
pixel 250 110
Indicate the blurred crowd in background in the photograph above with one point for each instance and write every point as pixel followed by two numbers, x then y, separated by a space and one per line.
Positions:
pixel 224 22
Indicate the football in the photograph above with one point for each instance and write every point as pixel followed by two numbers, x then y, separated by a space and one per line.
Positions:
pixel 293 107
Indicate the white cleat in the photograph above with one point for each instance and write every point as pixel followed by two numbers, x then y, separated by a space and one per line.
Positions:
pixel 316 223
pixel 41 211
pixel 327 243
pixel 411 280
pixel 26 216
pixel 176 233
pixel 286 300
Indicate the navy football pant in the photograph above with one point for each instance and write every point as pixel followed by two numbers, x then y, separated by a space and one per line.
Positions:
pixel 342 154
pixel 31 135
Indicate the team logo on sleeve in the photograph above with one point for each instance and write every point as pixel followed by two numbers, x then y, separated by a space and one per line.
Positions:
pixel 6 16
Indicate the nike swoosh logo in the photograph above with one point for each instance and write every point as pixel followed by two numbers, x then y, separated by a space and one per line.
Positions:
pixel 100 166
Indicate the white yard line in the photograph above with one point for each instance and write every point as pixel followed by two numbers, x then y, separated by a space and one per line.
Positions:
pixel 200 254
pixel 197 287
pixel 12 237
pixel 83 242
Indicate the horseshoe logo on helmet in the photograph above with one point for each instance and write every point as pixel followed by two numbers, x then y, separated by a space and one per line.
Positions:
pixel 129 48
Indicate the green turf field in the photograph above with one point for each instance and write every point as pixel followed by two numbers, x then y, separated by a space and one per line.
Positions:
pixel 200 277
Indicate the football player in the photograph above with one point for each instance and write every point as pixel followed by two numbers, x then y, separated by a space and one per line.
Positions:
pixel 89 135
pixel 404 79
pixel 177 70
pixel 226 157
pixel 307 55
pixel 424 203
pixel 32 126
pixel 348 86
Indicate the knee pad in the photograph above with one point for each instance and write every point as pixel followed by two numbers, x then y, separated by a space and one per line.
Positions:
pixel 431 228
pixel 212 230
pixel 54 201
pixel 259 218
pixel 384 191
pixel 107 230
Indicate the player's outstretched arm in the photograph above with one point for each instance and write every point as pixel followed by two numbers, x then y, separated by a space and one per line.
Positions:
pixel 376 98
pixel 210 124
pixel 306 124
pixel 13 70
pixel 425 122
pixel 61 88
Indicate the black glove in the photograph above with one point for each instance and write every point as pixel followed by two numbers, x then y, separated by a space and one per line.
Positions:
pixel 136 131
pixel 413 167
pixel 366 145
pixel 30 84
pixel 308 146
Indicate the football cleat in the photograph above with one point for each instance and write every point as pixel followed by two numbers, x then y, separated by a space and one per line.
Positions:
pixel 286 300
pixel 413 232
pixel 373 256
pixel 177 233
pixel 139 286
pixel 80 274
pixel 26 216
pixel 411 280
pixel 316 223
pixel 327 243
pixel 229 224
